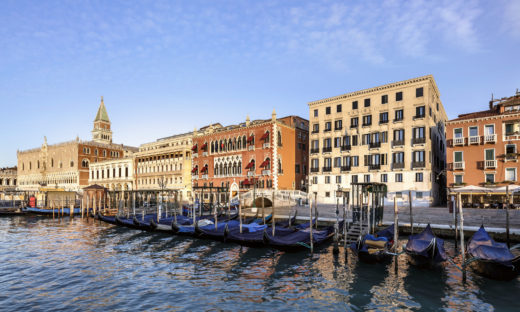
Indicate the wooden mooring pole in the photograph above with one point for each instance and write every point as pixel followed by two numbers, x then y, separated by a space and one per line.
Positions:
pixel 411 212
pixel 508 204
pixel 462 251
pixel 310 220
pixel 273 222
pixel 335 249
pixel 396 233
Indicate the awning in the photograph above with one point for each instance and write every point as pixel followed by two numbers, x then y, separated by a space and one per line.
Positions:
pixel 251 164
pixel 265 163
pixel 204 169
pixel 250 139
pixel 246 182
pixel 194 148
pixel 194 170
pixel 265 136
pixel 204 146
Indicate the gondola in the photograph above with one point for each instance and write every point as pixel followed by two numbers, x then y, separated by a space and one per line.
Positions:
pixel 490 258
pixel 107 219
pixel 127 222
pixel 299 239
pixel 375 248
pixel 50 212
pixel 425 249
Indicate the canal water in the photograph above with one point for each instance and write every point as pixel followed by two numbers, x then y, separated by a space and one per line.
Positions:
pixel 80 265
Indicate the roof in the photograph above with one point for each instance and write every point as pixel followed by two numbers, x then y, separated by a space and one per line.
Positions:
pixel 102 112
pixel 94 187
pixel 481 114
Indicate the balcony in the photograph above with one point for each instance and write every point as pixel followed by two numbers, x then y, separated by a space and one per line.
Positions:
pixel 398 165
pixel 326 149
pixel 367 124
pixel 398 119
pixel 266 145
pixel 475 139
pixel 511 157
pixel 418 164
pixel 251 148
pixel 338 128
pixel 418 116
pixel 315 150
pixel 418 141
pixel 326 169
pixel 345 168
pixel 382 122
pixel 490 138
pixel 266 172
pixel 458 165
pixel 195 155
pixel 353 126
pixel 204 154
pixel 315 169
pixel 315 131
pixel 488 164
pixel 345 148
pixel 374 145
pixel 327 129
pixel 397 142
pixel 251 173
pixel 205 176
pixel 374 166
pixel 458 141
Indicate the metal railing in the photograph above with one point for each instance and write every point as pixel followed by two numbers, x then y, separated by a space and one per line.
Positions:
pixel 398 165
pixel 327 169
pixel 397 142
pixel 458 165
pixel 346 148
pixel 490 164
pixel 458 141
pixel 326 149
pixel 418 164
pixel 490 138
pixel 315 150
pixel 474 139
pixel 418 140
pixel 374 145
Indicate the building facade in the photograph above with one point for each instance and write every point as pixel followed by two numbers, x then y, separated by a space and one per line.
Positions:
pixel 165 164
pixel 114 174
pixel 269 154
pixel 392 134
pixel 483 146
pixel 8 179
pixel 66 165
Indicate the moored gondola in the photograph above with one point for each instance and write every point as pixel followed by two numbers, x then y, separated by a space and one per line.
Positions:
pixel 425 249
pixel 375 248
pixel 299 240
pixel 490 258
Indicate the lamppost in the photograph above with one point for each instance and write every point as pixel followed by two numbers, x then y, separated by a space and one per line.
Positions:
pixel 162 185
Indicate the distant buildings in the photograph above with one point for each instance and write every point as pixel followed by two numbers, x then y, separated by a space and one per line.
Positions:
pixel 66 165
pixel 392 134
pixel 482 146
pixel 269 154
pixel 8 179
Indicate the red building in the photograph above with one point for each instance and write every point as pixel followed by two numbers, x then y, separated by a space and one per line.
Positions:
pixel 269 153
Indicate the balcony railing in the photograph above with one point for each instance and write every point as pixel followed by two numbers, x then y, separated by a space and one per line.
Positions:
pixel 458 141
pixel 327 129
pixel 374 166
pixel 367 124
pixel 383 121
pixel 266 172
pixel 458 165
pixel 345 148
pixel 418 116
pixel 418 140
pixel 195 155
pixel 490 164
pixel 374 145
pixel 251 148
pixel 418 164
pixel 474 139
pixel 397 142
pixel 315 169
pixel 345 168
pixel 326 149
pixel 315 131
pixel 205 176
pixel 326 169
pixel 398 165
pixel 315 150
pixel 353 126
pixel 490 138
pixel 251 173
pixel 511 157
pixel 204 154
pixel 337 128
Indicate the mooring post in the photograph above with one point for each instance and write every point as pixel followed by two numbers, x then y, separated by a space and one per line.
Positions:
pixel 310 220
pixel 273 218
pixel 506 206
pixel 345 218
pixel 263 209
pixel 396 233
pixel 240 214
pixel 455 201
pixel 411 212
pixel 133 203
pixel 461 220
pixel 71 210
pixel 335 249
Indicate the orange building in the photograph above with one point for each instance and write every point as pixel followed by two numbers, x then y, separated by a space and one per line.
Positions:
pixel 482 146
pixel 269 153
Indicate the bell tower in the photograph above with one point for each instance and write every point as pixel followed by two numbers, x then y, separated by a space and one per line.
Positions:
pixel 101 132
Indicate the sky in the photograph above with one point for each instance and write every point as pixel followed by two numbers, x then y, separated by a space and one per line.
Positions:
pixel 167 67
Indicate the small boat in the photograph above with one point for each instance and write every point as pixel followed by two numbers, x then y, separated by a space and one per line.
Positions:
pixel 107 219
pixel 375 248
pixel 425 249
pixel 490 258
pixel 50 212
pixel 299 239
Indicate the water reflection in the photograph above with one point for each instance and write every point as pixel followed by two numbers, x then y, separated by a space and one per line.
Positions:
pixel 79 264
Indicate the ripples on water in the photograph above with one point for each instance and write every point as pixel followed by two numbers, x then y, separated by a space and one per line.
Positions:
pixel 87 265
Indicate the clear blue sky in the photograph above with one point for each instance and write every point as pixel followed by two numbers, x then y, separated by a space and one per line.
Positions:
pixel 165 67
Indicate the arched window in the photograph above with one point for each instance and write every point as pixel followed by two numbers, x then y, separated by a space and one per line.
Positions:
pixel 84 163
pixel 230 145
pixel 279 138
pixel 280 171
pixel 212 147
pixel 72 163
pixel 239 167
pixel 239 144
pixel 229 169
pixel 244 142
pixel 52 162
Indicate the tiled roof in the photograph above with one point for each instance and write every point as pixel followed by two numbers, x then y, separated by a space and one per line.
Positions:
pixel 474 115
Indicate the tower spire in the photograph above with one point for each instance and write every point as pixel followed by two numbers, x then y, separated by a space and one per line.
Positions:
pixel 101 132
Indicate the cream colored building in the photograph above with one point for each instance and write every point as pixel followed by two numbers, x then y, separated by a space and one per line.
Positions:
pixel 165 164
pixel 113 174
pixel 392 134
pixel 8 179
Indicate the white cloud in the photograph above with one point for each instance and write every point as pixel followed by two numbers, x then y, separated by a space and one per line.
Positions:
pixel 512 17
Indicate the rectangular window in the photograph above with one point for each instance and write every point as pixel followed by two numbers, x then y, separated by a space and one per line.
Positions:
pixel 338 179
pixel 337 142
pixel 457 133
pixel 328 162
pixel 327 179
pixel 384 99
pixel 327 142
pixel 367 102
pixel 327 194
pixel 383 118
pixel 418 133
pixel 354 140
pixel 418 195
pixel 490 154
pixel 510 174
pixel 398 177
pixel 297 168
pixel 328 126
pixel 490 177
pixel 510 149
pixel 354 122
pixel 315 113
pixel 315 128
pixel 355 105
pixel 399 135
pixel 338 124
pixel 418 177
pixel 366 139
pixel 398 115
pixel 419 92
pixel 418 156
pixel 384 136
pixel 398 158
pixel 367 120
pixel 419 112
pixel 338 108
pixel 327 110
pixel 473 131
pixel 489 129
pixel 510 129
pixel 355 161
pixel 366 178
pixel 399 96
pixel 315 144
pixel 384 178
pixel 457 156
pixel 459 179
pixel 354 179
pixel 337 162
